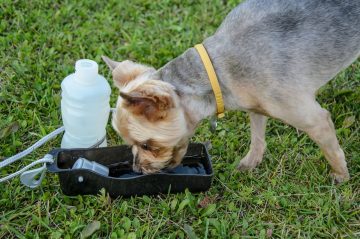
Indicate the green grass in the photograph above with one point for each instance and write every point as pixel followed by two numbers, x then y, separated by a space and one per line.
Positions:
pixel 289 195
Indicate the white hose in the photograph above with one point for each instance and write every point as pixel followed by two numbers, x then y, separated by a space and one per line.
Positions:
pixel 28 151
pixel 31 148
pixel 46 159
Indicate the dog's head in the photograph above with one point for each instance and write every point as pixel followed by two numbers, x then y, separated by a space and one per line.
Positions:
pixel 148 117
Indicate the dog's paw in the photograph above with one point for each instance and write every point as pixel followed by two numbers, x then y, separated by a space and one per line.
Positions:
pixel 249 162
pixel 340 178
pixel 245 166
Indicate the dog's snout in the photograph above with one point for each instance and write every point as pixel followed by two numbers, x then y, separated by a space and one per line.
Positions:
pixel 136 169
pixel 136 161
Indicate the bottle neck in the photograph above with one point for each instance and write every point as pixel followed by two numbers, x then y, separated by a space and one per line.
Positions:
pixel 86 71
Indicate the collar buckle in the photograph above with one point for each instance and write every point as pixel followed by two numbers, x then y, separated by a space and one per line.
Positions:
pixel 213 124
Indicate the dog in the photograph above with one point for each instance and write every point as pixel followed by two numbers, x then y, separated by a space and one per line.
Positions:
pixel 270 56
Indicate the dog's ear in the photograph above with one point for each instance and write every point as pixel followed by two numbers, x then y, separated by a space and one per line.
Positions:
pixel 110 63
pixel 125 71
pixel 152 101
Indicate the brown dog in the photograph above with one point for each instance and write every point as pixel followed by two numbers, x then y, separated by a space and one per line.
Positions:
pixel 270 58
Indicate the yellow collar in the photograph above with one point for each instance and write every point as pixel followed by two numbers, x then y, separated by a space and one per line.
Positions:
pixel 213 79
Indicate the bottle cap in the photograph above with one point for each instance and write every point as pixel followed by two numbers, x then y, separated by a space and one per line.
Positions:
pixel 86 71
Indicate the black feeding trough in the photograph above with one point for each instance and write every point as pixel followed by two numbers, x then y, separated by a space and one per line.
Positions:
pixel 87 171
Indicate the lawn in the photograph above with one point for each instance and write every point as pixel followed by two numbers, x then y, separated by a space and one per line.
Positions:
pixel 290 195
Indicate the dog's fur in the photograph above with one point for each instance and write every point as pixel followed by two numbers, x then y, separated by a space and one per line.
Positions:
pixel 271 56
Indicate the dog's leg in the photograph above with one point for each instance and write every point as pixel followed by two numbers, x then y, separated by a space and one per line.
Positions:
pixel 308 116
pixel 323 133
pixel 257 145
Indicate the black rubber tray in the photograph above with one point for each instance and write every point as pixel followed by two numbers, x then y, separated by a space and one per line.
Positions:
pixel 82 181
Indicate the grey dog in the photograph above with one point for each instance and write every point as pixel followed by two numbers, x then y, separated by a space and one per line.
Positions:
pixel 270 56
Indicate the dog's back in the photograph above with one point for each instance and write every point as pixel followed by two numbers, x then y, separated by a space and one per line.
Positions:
pixel 289 40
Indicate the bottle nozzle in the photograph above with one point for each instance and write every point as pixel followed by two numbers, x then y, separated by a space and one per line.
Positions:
pixel 86 71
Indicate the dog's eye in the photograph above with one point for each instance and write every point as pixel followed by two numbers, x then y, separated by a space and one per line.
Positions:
pixel 145 147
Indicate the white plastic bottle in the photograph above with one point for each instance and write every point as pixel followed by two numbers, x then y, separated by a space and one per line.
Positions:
pixel 85 106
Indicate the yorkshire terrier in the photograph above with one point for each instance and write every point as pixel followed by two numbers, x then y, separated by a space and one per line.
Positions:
pixel 270 56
